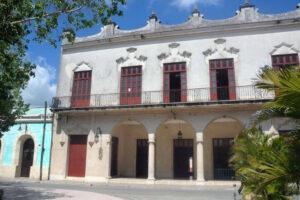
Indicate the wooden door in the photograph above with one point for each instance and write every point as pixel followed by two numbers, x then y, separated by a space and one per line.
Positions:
pixel 142 158
pixel 77 155
pixel 183 151
pixel 221 153
pixel 81 89
pixel 179 94
pixel 114 156
pixel 218 69
pixel 131 85
pixel 27 157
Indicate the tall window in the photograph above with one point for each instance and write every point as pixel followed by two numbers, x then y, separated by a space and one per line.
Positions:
pixel 81 89
pixel 282 61
pixel 222 79
pixel 131 85
pixel 175 89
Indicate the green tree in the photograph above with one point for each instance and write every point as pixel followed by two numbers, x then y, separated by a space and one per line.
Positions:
pixel 23 21
pixel 268 166
pixel 286 85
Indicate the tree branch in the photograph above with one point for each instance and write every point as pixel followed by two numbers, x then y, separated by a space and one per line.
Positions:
pixel 48 15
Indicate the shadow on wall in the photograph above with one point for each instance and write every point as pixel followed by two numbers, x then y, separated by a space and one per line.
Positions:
pixel 16 192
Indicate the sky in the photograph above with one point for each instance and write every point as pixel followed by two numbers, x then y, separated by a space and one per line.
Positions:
pixel 136 13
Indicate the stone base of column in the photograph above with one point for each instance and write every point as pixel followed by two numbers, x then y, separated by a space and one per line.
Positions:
pixel 200 182
pixel 151 181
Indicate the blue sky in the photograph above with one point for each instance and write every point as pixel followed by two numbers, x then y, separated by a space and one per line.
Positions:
pixel 136 13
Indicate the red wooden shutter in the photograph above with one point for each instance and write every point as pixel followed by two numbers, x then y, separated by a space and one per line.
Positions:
pixel 131 85
pixel 81 89
pixel 213 80
pixel 231 78
pixel 166 86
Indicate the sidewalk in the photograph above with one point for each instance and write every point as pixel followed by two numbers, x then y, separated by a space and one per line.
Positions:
pixel 16 192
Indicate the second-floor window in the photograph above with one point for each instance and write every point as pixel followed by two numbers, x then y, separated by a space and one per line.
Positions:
pixel 175 89
pixel 222 79
pixel 131 85
pixel 81 89
pixel 282 61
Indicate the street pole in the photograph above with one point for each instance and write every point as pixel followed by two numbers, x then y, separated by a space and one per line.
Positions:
pixel 43 141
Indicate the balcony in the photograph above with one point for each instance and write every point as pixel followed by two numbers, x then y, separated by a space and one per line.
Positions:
pixel 164 97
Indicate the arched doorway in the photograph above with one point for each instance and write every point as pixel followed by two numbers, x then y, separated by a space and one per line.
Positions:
pixel 27 157
pixel 175 150
pixel 129 150
pixel 218 139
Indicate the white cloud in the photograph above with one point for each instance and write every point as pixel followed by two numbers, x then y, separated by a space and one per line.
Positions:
pixel 40 88
pixel 184 4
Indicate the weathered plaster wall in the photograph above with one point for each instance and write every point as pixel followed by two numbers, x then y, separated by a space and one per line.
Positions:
pixel 13 141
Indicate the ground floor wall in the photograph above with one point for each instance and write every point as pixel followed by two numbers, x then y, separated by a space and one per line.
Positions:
pixel 13 152
pixel 105 160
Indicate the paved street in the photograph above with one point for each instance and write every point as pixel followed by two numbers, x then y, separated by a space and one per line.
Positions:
pixel 29 190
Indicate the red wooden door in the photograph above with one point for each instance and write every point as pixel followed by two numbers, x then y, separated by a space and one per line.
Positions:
pixel 77 155
pixel 81 89
pixel 217 92
pixel 168 92
pixel 131 85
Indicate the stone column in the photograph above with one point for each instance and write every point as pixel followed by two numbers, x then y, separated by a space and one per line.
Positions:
pixel 151 157
pixel 200 160
pixel 108 163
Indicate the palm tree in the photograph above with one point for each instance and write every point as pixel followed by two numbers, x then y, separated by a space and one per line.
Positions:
pixel 286 85
pixel 270 168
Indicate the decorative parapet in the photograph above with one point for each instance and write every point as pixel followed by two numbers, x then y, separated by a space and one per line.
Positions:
pixel 246 14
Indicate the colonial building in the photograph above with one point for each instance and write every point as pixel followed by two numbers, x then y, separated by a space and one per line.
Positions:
pixel 165 101
pixel 20 152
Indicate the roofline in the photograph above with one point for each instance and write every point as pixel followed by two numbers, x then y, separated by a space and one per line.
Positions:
pixel 185 32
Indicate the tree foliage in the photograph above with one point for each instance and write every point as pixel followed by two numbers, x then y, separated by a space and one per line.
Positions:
pixel 23 21
pixel 269 166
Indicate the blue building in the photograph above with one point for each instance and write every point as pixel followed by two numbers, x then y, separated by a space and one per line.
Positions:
pixel 21 146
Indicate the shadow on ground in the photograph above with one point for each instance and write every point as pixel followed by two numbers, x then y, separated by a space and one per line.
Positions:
pixel 19 192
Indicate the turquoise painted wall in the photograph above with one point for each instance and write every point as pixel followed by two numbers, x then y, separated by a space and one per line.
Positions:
pixel 37 130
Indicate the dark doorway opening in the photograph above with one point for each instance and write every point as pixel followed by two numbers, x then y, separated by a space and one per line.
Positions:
pixel 222 84
pixel 175 87
pixel 77 155
pixel 27 157
pixel 183 151
pixel 114 156
pixel 142 158
pixel 221 152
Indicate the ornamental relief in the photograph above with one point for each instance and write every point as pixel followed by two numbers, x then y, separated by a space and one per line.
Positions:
pixel 174 55
pixel 283 49
pixel 220 51
pixel 131 59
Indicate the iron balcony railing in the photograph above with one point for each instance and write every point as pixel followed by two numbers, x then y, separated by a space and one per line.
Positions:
pixel 241 93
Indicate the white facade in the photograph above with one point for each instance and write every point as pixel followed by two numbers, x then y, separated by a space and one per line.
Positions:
pixel 249 38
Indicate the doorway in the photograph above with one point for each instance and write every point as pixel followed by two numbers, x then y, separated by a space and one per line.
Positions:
pixel 77 155
pixel 222 84
pixel 27 157
pixel 142 158
pixel 183 152
pixel 221 153
pixel 175 87
pixel 114 156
